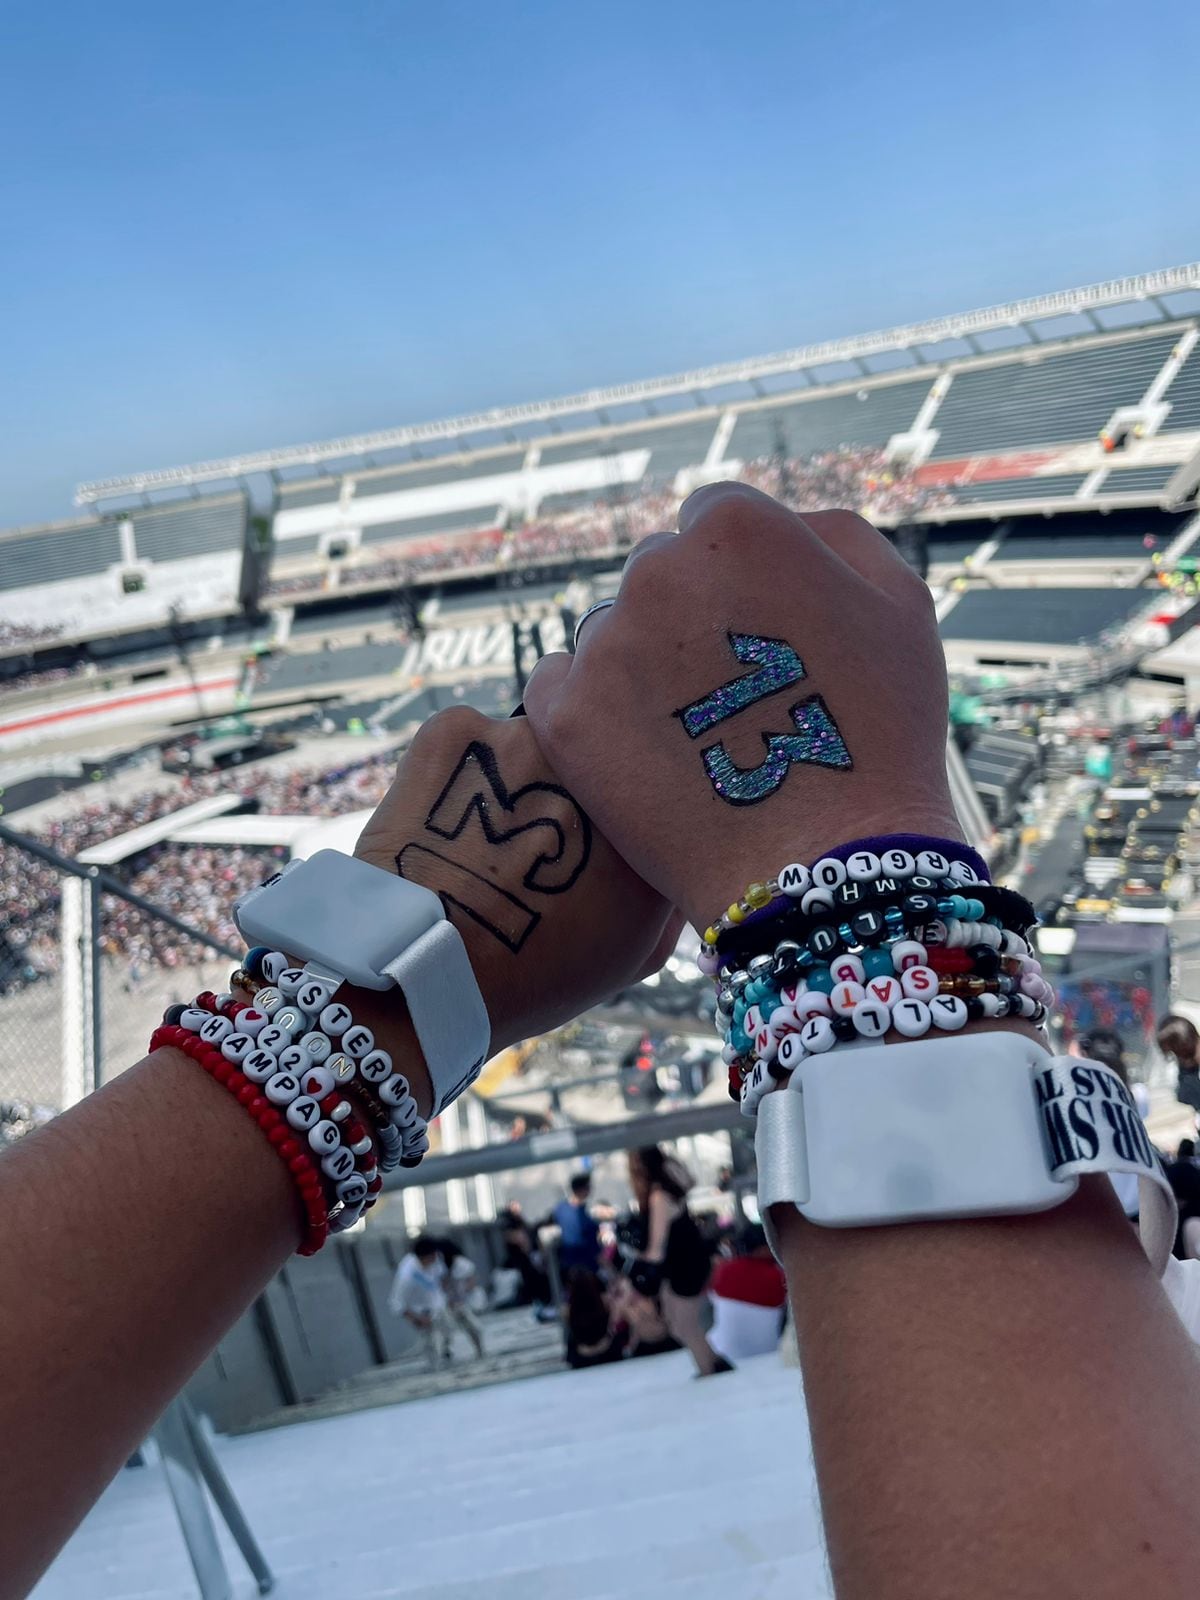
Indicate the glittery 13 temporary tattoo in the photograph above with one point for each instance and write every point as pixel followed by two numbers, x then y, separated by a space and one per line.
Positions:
pixel 778 667
pixel 816 742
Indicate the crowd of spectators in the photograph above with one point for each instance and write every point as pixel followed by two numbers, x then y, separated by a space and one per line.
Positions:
pixel 41 677
pixel 857 477
pixel 14 634
pixel 194 882
pixel 860 478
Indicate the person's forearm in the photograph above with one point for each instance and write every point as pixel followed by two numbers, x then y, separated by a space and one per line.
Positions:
pixel 1020 1385
pixel 138 1226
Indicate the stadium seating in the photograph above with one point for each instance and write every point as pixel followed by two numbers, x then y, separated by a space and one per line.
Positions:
pixel 952 552
pixel 437 522
pixel 315 492
pixel 1051 398
pixel 672 447
pixel 58 551
pixel 454 469
pixel 1042 543
pixel 1183 396
pixel 180 530
pixel 811 426
pixel 1040 616
pixel 867 416
pixel 1051 486
pixel 1137 480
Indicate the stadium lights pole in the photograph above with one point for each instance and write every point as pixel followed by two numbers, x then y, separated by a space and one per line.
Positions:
pixel 175 624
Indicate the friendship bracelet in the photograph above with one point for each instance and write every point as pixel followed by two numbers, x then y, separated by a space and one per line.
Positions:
pixel 300 1090
pixel 873 936
pixel 300 1165
pixel 919 898
pixel 868 1020
pixel 305 1053
pixel 756 1029
pixel 360 1061
pixel 856 862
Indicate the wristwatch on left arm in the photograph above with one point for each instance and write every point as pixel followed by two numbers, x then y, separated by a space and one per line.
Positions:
pixel 358 924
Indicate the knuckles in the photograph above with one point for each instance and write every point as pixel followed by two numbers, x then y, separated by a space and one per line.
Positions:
pixel 455 725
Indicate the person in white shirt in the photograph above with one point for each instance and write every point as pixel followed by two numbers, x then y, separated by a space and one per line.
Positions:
pixel 419 1296
pixel 461 1285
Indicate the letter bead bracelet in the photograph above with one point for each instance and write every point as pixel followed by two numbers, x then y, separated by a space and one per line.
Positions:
pixel 853 863
pixel 314 1080
pixel 863 943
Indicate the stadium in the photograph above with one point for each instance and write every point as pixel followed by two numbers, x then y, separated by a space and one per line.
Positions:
pixel 208 669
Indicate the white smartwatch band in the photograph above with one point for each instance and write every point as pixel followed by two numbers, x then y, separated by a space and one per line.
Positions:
pixel 975 1126
pixel 357 923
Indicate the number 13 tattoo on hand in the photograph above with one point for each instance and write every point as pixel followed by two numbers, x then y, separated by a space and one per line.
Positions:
pixel 816 742
pixel 556 847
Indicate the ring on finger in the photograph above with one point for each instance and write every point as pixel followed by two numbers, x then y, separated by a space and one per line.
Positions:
pixel 599 605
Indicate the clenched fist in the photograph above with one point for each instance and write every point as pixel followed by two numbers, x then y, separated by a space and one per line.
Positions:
pixel 553 919
pixel 765 687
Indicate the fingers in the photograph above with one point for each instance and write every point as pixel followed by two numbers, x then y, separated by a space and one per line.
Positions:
pixel 644 548
pixel 669 938
pixel 547 681
pixel 860 546
pixel 728 497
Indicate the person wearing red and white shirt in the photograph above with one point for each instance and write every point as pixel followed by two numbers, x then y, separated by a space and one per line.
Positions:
pixel 748 1296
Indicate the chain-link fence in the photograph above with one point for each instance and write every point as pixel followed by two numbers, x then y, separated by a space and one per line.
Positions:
pixel 86 966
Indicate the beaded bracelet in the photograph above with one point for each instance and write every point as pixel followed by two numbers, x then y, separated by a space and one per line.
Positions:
pixel 359 1060
pixel 297 1089
pixel 755 1024
pixel 291 1053
pixel 795 880
pixel 282 1138
pixel 873 937
pixel 867 1020
pixel 902 904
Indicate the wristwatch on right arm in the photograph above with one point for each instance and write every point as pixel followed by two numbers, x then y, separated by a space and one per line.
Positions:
pixel 972 1125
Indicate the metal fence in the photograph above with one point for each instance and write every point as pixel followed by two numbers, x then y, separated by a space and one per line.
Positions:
pixel 85 966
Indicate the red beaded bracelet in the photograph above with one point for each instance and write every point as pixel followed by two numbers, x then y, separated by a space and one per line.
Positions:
pixel 299 1163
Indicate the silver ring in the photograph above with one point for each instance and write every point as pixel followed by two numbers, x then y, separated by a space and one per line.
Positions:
pixel 599 605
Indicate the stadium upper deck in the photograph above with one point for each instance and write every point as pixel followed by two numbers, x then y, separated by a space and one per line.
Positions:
pixel 1088 398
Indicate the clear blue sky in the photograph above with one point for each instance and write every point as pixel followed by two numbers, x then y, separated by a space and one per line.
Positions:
pixel 226 226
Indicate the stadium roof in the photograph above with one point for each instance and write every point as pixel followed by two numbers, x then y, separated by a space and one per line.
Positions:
pixel 543 415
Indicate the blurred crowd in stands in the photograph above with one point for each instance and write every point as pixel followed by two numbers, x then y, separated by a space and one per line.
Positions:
pixel 194 882
pixel 856 477
pixel 13 634
pixel 859 478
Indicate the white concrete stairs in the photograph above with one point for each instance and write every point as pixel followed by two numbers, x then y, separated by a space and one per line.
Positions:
pixel 630 1482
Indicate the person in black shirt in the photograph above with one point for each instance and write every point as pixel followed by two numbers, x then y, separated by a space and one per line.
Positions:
pixel 1184 1177
pixel 593 1338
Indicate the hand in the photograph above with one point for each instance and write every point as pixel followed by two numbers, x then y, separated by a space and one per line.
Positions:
pixel 553 919
pixel 828 644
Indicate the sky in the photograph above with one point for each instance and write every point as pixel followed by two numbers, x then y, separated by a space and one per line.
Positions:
pixel 230 226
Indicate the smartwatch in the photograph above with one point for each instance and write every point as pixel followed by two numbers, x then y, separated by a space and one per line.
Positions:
pixel 976 1125
pixel 359 924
